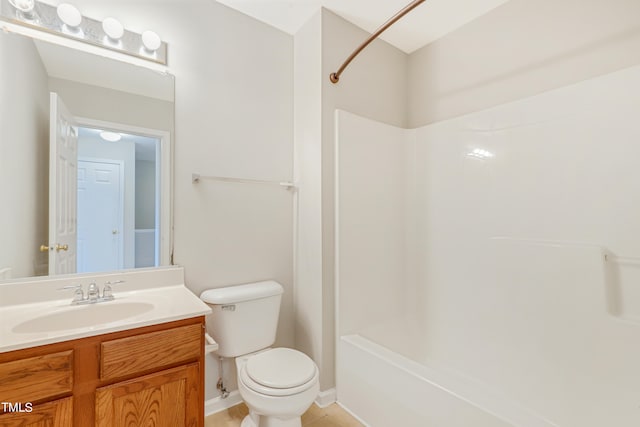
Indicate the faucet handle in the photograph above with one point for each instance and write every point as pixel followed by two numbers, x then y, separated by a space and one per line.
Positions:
pixel 64 288
pixel 78 295
pixel 107 292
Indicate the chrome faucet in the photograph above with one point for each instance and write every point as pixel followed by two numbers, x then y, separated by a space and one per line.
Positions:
pixel 93 293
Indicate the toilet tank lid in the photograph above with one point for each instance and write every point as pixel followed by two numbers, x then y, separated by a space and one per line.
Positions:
pixel 239 293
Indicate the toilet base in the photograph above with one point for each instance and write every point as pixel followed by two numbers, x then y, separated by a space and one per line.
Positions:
pixel 255 420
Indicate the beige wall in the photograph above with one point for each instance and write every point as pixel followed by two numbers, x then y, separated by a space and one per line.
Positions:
pixel 145 194
pixel 307 76
pixel 520 49
pixel 98 103
pixel 373 86
pixel 24 155
pixel 234 118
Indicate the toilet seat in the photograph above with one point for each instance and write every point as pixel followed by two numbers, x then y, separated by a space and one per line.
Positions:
pixel 279 372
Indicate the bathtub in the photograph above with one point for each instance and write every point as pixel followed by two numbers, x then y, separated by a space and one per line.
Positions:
pixel 383 388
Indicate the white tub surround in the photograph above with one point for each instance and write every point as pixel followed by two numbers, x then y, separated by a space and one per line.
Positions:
pixel 498 247
pixel 35 312
pixel 411 394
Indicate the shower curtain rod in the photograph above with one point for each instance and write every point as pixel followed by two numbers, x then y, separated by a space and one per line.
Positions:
pixel 335 77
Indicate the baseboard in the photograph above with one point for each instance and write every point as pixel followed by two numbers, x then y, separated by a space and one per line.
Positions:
pixel 218 404
pixel 352 414
pixel 326 398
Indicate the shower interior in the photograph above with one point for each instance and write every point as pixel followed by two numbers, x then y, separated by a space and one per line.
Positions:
pixel 493 260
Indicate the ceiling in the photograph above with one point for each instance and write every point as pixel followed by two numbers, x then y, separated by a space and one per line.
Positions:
pixel 145 147
pixel 428 22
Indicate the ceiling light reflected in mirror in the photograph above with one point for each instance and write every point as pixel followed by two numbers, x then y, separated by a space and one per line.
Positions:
pixel 110 136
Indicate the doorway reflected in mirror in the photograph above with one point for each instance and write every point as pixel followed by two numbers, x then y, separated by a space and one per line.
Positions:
pixel 118 200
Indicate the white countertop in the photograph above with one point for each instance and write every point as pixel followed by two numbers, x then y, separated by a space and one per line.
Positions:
pixel 139 304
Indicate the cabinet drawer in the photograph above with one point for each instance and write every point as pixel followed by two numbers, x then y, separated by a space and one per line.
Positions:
pixel 37 378
pixel 132 355
pixel 58 413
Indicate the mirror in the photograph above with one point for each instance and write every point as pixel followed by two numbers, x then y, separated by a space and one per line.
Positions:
pixel 105 99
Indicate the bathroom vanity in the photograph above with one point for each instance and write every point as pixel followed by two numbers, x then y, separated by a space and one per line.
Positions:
pixel 144 368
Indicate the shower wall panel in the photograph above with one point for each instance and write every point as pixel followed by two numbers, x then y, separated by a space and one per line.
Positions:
pixel 527 250
pixel 373 259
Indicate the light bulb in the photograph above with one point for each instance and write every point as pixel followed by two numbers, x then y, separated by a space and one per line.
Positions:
pixel 113 28
pixel 23 5
pixel 69 14
pixel 151 40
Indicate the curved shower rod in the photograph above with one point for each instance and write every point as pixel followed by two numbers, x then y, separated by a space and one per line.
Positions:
pixel 335 77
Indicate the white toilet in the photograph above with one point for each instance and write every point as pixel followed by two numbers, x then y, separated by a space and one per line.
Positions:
pixel 277 384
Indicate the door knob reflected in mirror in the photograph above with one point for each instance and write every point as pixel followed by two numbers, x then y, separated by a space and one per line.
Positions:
pixel 44 248
pixel 114 231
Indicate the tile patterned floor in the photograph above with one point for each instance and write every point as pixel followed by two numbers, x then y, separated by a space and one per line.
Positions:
pixel 331 416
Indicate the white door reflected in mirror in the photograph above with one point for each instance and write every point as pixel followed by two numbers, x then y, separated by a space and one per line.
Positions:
pixel 100 208
pixel 63 169
pixel 99 186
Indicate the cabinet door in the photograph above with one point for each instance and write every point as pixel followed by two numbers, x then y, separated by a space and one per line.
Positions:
pixel 58 413
pixel 168 398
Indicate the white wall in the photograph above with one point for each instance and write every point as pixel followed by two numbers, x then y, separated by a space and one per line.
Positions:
pixel 520 49
pixel 24 158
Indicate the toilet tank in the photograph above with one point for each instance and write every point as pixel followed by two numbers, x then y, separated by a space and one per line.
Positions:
pixel 245 317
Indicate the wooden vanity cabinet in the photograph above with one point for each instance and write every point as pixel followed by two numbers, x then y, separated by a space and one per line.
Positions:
pixel 147 376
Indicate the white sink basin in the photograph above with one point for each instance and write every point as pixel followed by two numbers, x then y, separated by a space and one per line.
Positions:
pixel 86 316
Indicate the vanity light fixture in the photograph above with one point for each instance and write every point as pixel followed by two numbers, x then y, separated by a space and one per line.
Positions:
pixel 110 136
pixel 151 40
pixel 65 20
pixel 69 14
pixel 113 28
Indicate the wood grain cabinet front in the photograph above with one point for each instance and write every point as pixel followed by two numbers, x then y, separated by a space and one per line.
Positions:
pixel 37 378
pixel 164 399
pixel 155 350
pixel 152 376
pixel 58 413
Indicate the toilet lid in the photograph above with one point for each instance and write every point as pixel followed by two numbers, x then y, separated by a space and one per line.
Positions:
pixel 281 368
